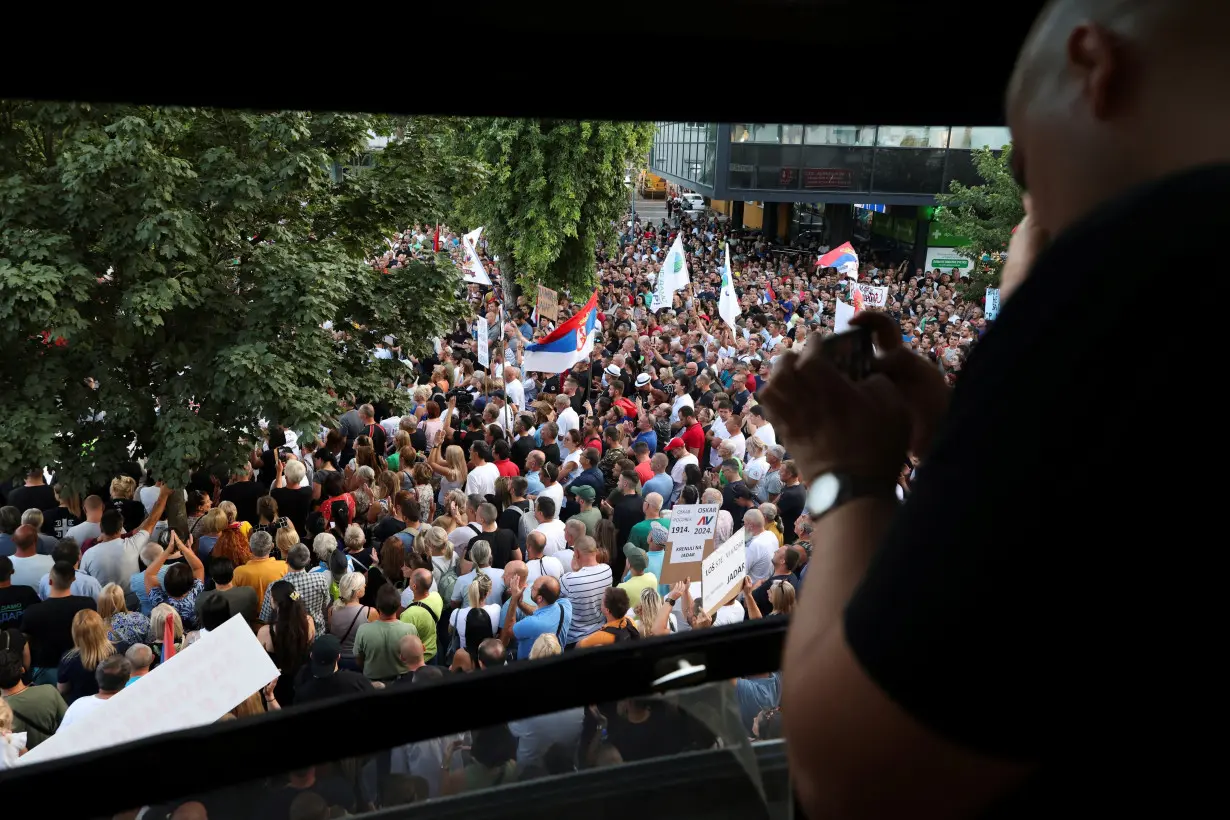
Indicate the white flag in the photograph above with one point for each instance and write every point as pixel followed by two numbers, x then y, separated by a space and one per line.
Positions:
pixel 728 302
pixel 843 313
pixel 672 277
pixel 474 271
pixel 484 345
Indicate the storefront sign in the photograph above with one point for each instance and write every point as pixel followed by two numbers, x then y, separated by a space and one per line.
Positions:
pixel 828 178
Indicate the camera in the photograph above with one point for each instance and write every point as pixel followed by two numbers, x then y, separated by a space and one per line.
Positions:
pixel 464 398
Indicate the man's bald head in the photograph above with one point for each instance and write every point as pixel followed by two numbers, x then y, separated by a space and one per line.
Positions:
pixel 1094 86
pixel 536 541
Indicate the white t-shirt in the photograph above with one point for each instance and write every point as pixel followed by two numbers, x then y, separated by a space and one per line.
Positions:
pixel 547 565
pixel 567 420
pixel 677 473
pixel 554 531
pixel 760 556
pixel 28 571
pixel 482 480
pixel 732 613
pixel 514 393
pixel 739 442
pixel 82 708
pixel 720 434
pixel 756 469
pixel 83 532
pixel 565 557
pixel 460 538
pixel 680 401
pixel 458 620
pixel 766 434
pixel 556 493
pixel 115 562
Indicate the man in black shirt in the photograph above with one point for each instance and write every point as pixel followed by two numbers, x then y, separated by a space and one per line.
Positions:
pixel 34 495
pixel 956 651
pixel 243 492
pixel 792 501
pixel 502 542
pixel 49 624
pixel 14 600
pixel 321 679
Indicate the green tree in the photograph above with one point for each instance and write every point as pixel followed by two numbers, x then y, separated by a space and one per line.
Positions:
pixel 984 214
pixel 230 247
pixel 556 190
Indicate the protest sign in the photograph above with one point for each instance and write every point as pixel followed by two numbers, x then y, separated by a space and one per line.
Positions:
pixel 548 304
pixel 843 314
pixel 195 688
pixel 690 540
pixel 484 356
pixel 722 573
pixel 992 306
pixel 874 297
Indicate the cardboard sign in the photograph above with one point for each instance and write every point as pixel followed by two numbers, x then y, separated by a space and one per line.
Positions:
pixel 484 346
pixel 195 688
pixel 722 573
pixel 691 539
pixel 992 306
pixel 548 304
pixel 874 297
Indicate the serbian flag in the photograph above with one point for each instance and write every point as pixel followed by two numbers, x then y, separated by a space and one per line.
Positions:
pixel 568 344
pixel 435 242
pixel 843 258
pixel 768 295
pixel 168 640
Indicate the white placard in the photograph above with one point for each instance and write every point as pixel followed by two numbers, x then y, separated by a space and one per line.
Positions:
pixel 992 306
pixel 874 297
pixel 722 573
pixel 195 688
pixel 484 355
pixel 843 314
pixel 691 526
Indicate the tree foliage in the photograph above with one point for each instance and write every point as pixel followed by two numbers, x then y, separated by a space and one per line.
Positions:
pixel 231 245
pixel 555 192
pixel 985 214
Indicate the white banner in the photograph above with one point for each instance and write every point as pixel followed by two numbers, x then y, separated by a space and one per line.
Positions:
pixel 874 297
pixel 691 526
pixel 484 357
pixel 992 306
pixel 722 573
pixel 843 313
pixel 195 688
pixel 474 271
pixel 673 276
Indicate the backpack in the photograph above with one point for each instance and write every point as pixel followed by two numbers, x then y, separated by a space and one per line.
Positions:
pixel 528 523
pixel 478 629
pixel 627 632
pixel 445 581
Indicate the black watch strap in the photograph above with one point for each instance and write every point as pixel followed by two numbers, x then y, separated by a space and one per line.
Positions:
pixel 829 491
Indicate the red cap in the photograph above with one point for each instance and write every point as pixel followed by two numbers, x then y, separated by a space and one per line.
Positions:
pixel 675 442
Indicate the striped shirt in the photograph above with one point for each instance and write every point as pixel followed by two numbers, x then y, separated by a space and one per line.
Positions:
pixel 584 588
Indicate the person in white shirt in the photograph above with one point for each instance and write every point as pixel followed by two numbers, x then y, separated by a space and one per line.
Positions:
pixel 112 674
pixel 514 392
pixel 113 559
pixel 682 399
pixel 480 555
pixel 676 448
pixel 760 544
pixel 93 507
pixel 718 431
pixel 735 438
pixel 550 526
pixel 565 417
pixel 538 562
pixel 585 588
pixel 28 565
pixel 481 480
pixel 764 430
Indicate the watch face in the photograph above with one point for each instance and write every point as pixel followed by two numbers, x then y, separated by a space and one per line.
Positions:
pixel 823 493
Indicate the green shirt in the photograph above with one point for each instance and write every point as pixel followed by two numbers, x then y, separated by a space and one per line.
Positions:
pixel 37 711
pixel 376 643
pixel 417 615
pixel 590 519
pixel 640 531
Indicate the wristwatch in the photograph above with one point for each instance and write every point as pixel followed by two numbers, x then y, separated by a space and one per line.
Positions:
pixel 830 490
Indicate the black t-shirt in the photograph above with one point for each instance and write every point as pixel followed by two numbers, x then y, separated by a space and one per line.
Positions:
pixel 658 736
pixel 510 519
pixel 1028 602
pixel 731 505
pixel 551 451
pixel 386 527
pixel 790 506
pixel 243 495
pixel 58 521
pixel 49 625
pixel 502 544
pixel 341 682
pixel 15 600
pixel 132 511
pixel 38 497
pixel 294 504
pixel 334 790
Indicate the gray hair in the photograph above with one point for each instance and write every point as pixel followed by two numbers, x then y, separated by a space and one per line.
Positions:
pixel 150 552
pixel 261 544
pixel 294 473
pixel 480 554
pixel 754 519
pixel 140 656
pixel 366 474
pixel 299 557
pixel 323 545
pixel 562 401
pixel 348 588
pixel 711 496
pixel 777 451
pixel 769 511
pixel 33 518
pixel 577 527
pixel 354 537
pixel 654 500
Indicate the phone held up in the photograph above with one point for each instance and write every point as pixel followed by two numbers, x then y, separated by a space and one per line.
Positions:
pixel 851 352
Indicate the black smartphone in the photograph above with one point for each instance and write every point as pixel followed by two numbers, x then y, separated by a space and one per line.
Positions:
pixel 851 352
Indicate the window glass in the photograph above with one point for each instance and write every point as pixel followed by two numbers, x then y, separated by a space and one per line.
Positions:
pixel 966 136
pixel 840 134
pixel 740 132
pixel 912 136
pixel 766 132
pixel 792 134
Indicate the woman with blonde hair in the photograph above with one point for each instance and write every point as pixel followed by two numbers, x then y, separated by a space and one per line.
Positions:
pixel 157 628
pixel 348 614
pixel 123 627
pixel 366 508
pixel 647 612
pixel 122 490
pixel 546 645
pixel 450 466
pixel 782 597
pixel 75 677
pixel 232 519
pixel 435 541
pixel 452 511
pixel 476 593
pixel 385 490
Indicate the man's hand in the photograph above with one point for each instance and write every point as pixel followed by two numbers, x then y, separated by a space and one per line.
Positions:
pixel 830 423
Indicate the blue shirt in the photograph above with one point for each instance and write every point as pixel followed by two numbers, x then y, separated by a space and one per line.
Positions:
pixel 533 483
pixel 82 585
pixel 650 437
pixel 661 484
pixel 137 584
pixel 545 621
pixel 205 545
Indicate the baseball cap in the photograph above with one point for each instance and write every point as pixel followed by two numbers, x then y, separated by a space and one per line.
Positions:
pixel 326 649
pixel 584 491
pixel 674 443
pixel 638 559
pixel 642 380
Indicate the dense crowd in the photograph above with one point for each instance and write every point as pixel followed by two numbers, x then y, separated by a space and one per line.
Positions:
pixel 481 516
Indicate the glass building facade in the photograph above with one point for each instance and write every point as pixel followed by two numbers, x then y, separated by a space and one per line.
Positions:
pixel 774 162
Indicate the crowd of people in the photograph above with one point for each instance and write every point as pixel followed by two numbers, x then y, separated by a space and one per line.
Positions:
pixel 477 517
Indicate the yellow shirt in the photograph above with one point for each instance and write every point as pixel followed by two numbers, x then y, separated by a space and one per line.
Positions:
pixel 259 573
pixel 425 624
pixel 772 527
pixel 637 584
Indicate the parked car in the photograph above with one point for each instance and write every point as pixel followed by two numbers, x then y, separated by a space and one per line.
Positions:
pixel 693 203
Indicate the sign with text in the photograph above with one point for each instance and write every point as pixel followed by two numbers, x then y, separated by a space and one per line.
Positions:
pixel 827 177
pixel 874 297
pixel 548 304
pixel 992 306
pixel 691 539
pixel 484 346
pixel 195 688
pixel 722 572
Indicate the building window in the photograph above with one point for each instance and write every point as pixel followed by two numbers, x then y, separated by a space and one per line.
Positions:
pixel 970 137
pixel 912 136
pixel 766 132
pixel 792 135
pixel 840 134
pixel 740 132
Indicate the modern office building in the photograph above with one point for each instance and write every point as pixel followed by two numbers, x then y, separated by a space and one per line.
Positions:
pixel 791 179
